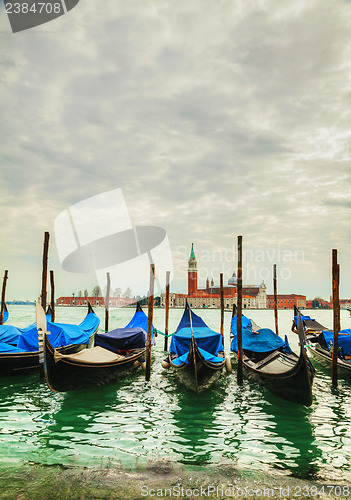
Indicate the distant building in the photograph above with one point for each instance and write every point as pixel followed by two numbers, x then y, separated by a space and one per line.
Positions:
pixel 94 301
pixel 345 303
pixel 254 297
pixel 319 303
pixel 287 301
pixel 192 272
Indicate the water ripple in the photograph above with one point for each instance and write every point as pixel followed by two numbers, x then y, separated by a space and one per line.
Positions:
pixel 132 422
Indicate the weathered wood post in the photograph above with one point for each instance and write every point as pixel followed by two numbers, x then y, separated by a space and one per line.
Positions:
pixel 52 301
pixel 3 292
pixel 149 322
pixel 336 316
pixel 222 305
pixel 45 270
pixel 107 301
pixel 168 274
pixel 275 298
pixel 239 313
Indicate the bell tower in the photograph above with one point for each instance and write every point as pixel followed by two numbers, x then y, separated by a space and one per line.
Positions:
pixel 192 272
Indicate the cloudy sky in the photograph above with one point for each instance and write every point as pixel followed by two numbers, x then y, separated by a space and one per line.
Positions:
pixel 215 118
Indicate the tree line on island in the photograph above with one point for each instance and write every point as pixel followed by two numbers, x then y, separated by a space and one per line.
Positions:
pixel 117 292
pixel 317 302
pixel 97 292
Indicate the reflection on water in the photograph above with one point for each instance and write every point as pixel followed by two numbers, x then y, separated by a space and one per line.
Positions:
pixel 293 439
pixel 196 434
pixel 268 432
pixel 133 422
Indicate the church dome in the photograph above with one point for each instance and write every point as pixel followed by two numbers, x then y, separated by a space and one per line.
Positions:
pixel 232 280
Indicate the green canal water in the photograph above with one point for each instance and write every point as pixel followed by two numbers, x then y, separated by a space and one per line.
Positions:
pixel 132 423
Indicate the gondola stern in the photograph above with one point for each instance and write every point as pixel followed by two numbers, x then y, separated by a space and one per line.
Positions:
pixel 49 311
pixel 307 373
pixel 234 312
pixel 300 329
pixel 49 360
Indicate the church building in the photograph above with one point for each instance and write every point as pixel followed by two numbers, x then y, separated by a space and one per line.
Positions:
pixel 254 297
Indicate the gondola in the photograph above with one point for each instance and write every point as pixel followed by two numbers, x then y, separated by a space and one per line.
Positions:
pixel 311 327
pixel 19 347
pixel 115 353
pixel 268 359
pixel 319 340
pixel 196 353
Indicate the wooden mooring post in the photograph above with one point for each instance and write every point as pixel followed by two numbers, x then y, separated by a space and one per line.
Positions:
pixel 52 290
pixel 275 298
pixel 168 274
pixel 107 301
pixel 240 312
pixel 149 322
pixel 3 293
pixel 222 305
pixel 336 316
pixel 45 270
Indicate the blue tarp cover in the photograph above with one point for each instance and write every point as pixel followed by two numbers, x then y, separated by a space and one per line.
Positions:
pixel 208 341
pixel 61 334
pixel 287 347
pixel 123 339
pixel 195 319
pixel 11 334
pixel 9 348
pixel 264 340
pixel 344 341
pixel 139 320
pixel 304 318
pixel 5 316
pixel 207 356
pixel 133 336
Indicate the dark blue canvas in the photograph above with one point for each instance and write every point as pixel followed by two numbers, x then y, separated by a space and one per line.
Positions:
pixel 195 319
pixel 121 339
pixel 133 336
pixel 140 320
pixel 286 347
